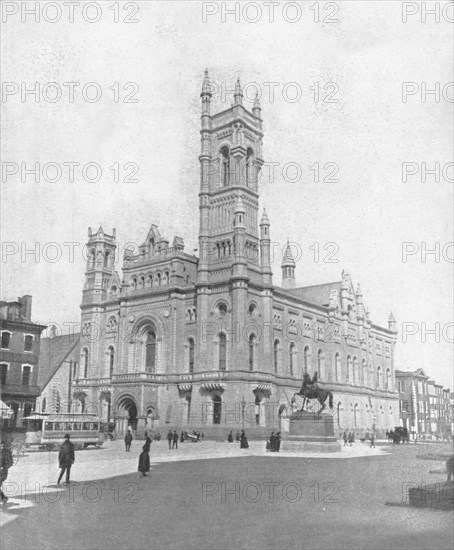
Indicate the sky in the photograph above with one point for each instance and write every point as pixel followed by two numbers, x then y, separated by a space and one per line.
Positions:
pixel 350 135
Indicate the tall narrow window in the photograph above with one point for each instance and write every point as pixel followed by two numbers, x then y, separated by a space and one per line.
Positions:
pixel 225 167
pixel 222 351
pixel 388 379
pixel 43 405
pixel 107 259
pixel 355 375
pixel 28 342
pixel 3 373
pixel 150 352
pixel 306 355
pixel 337 367
pixel 349 368
pixel 276 355
pixel 292 359
pixel 85 362
pixel 111 355
pixel 320 363
pixel 249 167
pixel 251 351
pixel 191 355
pixel 26 375
pixel 364 372
pixel 378 377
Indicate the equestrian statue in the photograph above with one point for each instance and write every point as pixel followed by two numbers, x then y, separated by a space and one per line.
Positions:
pixel 310 390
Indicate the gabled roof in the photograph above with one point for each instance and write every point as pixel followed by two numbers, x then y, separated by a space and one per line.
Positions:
pixel 53 351
pixel 317 294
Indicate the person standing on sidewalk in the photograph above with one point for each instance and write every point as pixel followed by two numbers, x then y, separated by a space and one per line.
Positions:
pixel 144 460
pixel 175 440
pixel 372 441
pixel 128 441
pixel 169 438
pixel 66 459
pixel 6 461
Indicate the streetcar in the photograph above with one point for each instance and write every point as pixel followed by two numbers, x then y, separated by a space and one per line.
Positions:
pixel 47 430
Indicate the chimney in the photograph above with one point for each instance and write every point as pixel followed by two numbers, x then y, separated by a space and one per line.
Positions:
pixel 26 307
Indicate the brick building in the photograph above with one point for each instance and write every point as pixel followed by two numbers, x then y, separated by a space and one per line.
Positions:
pixel 19 357
pixel 423 404
pixel 210 341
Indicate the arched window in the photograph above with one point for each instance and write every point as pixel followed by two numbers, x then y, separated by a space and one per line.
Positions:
pixel 292 353
pixel 44 405
pixel 149 281
pixel 107 259
pixel 225 167
pixel 150 352
pixel 111 358
pixel 388 379
pixel 337 367
pixel 151 247
pixel 191 355
pixel 276 355
pixel 355 415
pixel 349 368
pixel 92 258
pixel 370 376
pixel 158 279
pixel 306 359
pixel 379 382
pixel 364 372
pixel 134 283
pixel 355 377
pixel 249 167
pixel 222 351
pixel 85 362
pixel 142 283
pixel 320 363
pixel 3 373
pixel 252 341
pixel 165 279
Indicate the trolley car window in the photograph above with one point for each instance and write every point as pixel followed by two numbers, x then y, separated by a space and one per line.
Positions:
pixel 94 426
pixel 77 425
pixel 49 426
pixel 57 426
pixel 68 426
pixel 86 426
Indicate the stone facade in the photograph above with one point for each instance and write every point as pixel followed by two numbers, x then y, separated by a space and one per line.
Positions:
pixel 210 342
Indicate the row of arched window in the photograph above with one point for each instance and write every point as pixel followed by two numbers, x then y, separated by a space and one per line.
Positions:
pixel 366 375
pixel 371 419
pixel 107 259
pixel 151 280
pixel 227 174
pixel 85 363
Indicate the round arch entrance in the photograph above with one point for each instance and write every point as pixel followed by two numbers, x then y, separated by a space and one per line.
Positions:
pixel 126 414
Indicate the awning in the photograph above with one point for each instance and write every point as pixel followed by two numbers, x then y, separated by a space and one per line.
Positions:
pixel 213 386
pixel 5 411
pixel 264 388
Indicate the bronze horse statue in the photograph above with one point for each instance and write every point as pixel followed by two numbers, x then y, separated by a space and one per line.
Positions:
pixel 310 390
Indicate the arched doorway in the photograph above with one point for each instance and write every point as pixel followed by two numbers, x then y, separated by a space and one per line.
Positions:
pixel 127 414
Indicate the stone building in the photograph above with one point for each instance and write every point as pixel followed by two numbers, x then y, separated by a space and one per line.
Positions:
pixel 211 341
pixel 19 358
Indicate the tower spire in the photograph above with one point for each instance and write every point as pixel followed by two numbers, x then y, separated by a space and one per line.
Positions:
pixel 238 97
pixel 288 268
pixel 256 109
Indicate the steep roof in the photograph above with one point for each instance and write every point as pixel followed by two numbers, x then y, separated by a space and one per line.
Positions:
pixel 317 294
pixel 53 351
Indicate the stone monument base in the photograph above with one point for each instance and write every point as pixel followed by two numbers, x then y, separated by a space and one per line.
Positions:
pixel 310 432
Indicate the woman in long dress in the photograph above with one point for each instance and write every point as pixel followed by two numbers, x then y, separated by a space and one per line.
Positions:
pixel 243 441
pixel 144 459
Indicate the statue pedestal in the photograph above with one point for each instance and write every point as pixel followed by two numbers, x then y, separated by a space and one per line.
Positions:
pixel 309 432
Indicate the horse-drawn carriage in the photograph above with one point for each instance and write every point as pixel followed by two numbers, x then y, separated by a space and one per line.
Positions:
pixel 398 434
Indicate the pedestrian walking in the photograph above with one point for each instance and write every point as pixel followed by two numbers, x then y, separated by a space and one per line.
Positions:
pixel 175 440
pixel 350 439
pixel 128 441
pixel 272 442
pixel 372 441
pixel 144 460
pixel 230 437
pixel 66 459
pixel 182 437
pixel 6 461
pixel 237 436
pixel 169 438
pixel 345 438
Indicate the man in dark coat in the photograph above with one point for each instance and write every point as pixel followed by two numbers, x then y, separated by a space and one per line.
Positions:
pixel 66 459
pixel 144 460
pixel 230 437
pixel 277 442
pixel 169 438
pixel 175 440
pixel 243 441
pixel 272 442
pixel 128 441
pixel 6 461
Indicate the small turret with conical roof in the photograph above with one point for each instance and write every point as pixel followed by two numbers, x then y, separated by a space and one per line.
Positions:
pixel 238 97
pixel 392 322
pixel 288 268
